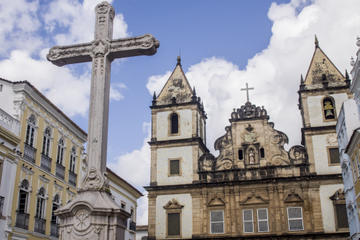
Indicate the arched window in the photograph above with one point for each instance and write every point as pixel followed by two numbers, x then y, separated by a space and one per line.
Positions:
pixel 174 123
pixel 54 231
pixel 60 151
pixel 23 196
pixel 46 142
pixel 72 159
pixel 262 152
pixel 55 206
pixel 40 206
pixel 30 130
pixel 329 108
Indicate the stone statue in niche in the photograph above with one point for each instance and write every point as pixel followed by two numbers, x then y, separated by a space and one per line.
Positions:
pixel 251 156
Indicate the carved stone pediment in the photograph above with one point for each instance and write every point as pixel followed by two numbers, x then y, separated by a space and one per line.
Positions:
pixel 225 145
pixel 206 162
pixel 176 90
pixel 249 111
pixel 293 197
pixel 173 204
pixel 254 199
pixel 297 154
pixel 215 202
pixel 338 195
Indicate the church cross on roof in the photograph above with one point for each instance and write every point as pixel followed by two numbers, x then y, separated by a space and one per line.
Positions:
pixel 247 91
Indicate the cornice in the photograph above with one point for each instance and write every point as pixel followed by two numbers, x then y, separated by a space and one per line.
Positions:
pixel 194 185
pixel 41 100
pixel 198 140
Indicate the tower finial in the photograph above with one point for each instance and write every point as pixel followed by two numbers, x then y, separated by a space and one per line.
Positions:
pixel 316 42
pixel 154 99
pixel 178 60
pixel 301 79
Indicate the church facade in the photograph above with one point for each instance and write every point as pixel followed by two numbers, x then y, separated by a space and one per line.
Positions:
pixel 254 188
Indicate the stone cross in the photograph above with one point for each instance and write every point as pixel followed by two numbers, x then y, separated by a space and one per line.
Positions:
pixel 101 52
pixel 247 91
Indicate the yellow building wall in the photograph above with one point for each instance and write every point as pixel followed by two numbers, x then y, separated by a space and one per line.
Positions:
pixel 39 173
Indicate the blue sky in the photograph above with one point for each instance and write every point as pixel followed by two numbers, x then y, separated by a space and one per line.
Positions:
pixel 223 45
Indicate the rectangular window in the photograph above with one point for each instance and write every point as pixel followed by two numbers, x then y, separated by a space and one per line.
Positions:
pixel 248 220
pixel 2 199
pixel 295 218
pixel 334 155
pixel 175 167
pixel 173 224
pixel 262 219
pixel 217 221
pixel 241 155
pixel 341 216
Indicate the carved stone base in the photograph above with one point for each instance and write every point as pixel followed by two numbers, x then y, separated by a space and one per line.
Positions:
pixel 92 215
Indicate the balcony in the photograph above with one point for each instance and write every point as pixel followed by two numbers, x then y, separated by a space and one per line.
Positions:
pixel 9 123
pixel 22 220
pixel 54 230
pixel 40 225
pixel 29 153
pixel 45 162
pixel 72 178
pixel 60 171
pixel 132 226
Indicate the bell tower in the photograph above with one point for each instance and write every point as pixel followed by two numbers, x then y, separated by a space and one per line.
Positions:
pixel 178 135
pixel 321 95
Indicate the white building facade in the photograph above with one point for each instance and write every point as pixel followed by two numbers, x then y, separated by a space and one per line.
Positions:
pixel 9 139
pixel 348 130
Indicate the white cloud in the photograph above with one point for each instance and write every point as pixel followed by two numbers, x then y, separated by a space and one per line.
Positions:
pixel 115 91
pixel 137 163
pixel 18 25
pixel 77 21
pixel 274 72
pixel 51 80
pixel 24 46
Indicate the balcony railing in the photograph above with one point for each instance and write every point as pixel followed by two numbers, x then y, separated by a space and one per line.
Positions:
pixel 9 123
pixel 54 230
pixel 132 226
pixel 45 162
pixel 40 225
pixel 22 220
pixel 60 170
pixel 72 178
pixel 29 153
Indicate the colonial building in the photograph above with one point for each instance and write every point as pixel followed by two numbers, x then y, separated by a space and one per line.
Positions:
pixel 46 172
pixel 42 162
pixel 254 188
pixel 9 157
pixel 348 129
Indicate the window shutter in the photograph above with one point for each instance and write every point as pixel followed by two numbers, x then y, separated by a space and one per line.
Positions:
pixel 334 155
pixel 341 216
pixel 173 224
pixel 174 167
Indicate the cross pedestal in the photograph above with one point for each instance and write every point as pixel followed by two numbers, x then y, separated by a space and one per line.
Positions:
pixel 93 214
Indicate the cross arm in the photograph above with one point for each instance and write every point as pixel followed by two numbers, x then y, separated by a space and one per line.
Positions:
pixel 62 55
pixel 128 47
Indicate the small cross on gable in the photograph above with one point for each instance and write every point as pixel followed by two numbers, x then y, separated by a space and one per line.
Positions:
pixel 247 91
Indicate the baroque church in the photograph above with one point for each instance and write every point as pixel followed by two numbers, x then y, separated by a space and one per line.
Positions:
pixel 254 188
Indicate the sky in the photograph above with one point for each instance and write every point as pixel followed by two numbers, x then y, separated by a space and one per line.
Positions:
pixel 223 45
